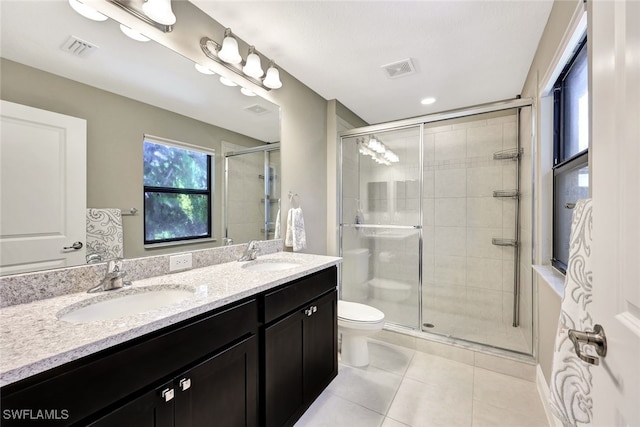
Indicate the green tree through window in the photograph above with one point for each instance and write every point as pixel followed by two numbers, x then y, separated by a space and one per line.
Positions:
pixel 177 193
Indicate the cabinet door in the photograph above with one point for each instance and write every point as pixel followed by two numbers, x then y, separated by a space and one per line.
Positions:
pixel 320 346
pixel 221 391
pixel 283 370
pixel 149 410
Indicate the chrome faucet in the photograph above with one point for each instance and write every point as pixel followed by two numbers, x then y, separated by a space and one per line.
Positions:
pixel 251 252
pixel 113 278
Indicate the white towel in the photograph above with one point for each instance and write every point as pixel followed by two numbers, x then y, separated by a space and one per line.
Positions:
pixel 571 384
pixel 296 236
pixel 104 235
pixel 277 232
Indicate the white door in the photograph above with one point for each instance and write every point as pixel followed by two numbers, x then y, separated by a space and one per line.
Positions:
pixel 42 189
pixel 614 34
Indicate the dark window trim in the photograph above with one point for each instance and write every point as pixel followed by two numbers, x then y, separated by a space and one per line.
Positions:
pixel 577 160
pixel 173 190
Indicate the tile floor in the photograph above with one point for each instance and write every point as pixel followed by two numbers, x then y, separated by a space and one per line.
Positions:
pixel 403 387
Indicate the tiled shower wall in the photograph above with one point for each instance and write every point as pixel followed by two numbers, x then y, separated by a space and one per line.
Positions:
pixel 464 274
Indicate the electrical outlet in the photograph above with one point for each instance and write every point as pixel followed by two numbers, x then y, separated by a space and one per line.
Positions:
pixel 179 262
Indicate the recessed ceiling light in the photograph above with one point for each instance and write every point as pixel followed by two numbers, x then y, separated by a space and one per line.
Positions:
pixel 428 101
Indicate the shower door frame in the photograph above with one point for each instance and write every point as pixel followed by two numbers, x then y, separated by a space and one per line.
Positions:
pixel 504 105
pixel 267 177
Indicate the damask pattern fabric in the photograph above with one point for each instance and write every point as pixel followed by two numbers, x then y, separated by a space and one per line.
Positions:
pixel 571 378
pixel 104 235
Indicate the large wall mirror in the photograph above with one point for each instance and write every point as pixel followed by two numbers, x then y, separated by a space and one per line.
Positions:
pixel 125 89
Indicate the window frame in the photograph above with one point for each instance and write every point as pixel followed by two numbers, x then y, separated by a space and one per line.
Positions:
pixel 209 192
pixel 560 163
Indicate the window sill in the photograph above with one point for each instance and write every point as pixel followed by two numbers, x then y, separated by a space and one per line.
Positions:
pixel 181 243
pixel 553 278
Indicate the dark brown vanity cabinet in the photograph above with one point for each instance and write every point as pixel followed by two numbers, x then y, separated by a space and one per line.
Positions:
pixel 202 363
pixel 300 355
pixel 222 391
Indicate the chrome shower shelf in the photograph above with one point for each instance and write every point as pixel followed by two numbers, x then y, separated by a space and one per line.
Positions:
pixel 506 193
pixel 510 154
pixel 504 242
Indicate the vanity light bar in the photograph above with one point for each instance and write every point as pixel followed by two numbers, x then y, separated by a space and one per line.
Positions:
pixel 211 47
pixel 129 7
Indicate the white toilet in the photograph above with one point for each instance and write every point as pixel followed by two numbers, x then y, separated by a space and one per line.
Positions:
pixel 357 321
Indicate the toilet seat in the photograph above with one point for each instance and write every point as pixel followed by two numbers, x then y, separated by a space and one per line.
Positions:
pixel 355 313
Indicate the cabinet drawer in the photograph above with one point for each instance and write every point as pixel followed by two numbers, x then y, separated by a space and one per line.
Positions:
pixel 90 384
pixel 297 293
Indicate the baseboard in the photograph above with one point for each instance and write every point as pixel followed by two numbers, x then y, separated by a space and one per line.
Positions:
pixel 543 392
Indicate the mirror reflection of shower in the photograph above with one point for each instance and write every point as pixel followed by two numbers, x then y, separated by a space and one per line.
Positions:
pixel 251 193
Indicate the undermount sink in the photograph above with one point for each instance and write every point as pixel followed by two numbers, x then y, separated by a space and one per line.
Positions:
pixel 269 265
pixel 124 303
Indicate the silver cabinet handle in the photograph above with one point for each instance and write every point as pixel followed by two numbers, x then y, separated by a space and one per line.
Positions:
pixel 569 205
pixel 314 308
pixel 75 246
pixel 308 312
pixel 167 394
pixel 185 384
pixel 597 338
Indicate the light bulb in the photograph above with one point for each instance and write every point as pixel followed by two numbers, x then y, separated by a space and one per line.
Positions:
pixel 229 51
pixel 428 101
pixel 87 11
pixel 272 80
pixel 160 11
pixel 253 67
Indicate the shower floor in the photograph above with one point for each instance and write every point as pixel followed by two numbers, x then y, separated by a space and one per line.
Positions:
pixel 454 325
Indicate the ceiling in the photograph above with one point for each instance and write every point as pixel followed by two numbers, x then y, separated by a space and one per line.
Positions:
pixel 465 53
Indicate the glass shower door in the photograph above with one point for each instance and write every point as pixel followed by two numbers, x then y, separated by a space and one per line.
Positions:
pixel 381 223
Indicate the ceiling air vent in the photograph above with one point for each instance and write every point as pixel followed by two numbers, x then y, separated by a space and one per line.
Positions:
pixel 78 47
pixel 399 69
pixel 257 109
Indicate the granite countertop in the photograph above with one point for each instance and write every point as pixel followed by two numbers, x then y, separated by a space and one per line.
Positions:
pixel 33 339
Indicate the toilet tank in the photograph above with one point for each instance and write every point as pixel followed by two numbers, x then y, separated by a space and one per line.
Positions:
pixel 355 266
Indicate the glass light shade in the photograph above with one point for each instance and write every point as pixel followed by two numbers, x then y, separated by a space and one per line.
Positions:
pixel 227 82
pixel 229 51
pixel 204 70
pixel 86 11
pixel 247 92
pixel 253 67
pixel 160 11
pixel 133 34
pixel 428 101
pixel 272 80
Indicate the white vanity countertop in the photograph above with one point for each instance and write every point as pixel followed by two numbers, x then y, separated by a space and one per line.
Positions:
pixel 33 339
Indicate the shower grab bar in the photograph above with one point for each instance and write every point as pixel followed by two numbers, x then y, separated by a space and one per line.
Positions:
pixel 404 227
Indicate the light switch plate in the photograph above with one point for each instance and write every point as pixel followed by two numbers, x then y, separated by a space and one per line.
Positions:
pixel 179 262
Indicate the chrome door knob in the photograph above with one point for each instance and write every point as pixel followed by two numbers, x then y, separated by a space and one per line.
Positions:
pixel 597 338
pixel 75 246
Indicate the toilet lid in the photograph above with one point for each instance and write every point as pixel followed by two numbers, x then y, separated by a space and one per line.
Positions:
pixel 355 312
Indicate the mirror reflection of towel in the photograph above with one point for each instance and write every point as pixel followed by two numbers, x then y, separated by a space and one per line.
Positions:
pixel 296 236
pixel 104 234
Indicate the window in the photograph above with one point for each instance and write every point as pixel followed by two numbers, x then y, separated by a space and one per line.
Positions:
pixel 571 144
pixel 177 191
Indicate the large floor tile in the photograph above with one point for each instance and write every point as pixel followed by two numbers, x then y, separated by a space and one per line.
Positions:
pixel 369 387
pixel 389 357
pixel 506 392
pixel 388 422
pixel 441 372
pixel 422 404
pixel 330 410
pixel 485 415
